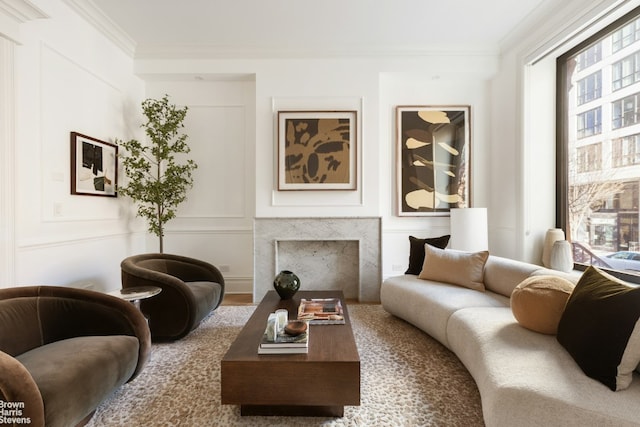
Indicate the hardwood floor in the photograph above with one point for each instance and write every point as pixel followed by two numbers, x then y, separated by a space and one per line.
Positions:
pixel 237 299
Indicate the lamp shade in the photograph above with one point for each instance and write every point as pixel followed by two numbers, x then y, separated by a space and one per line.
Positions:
pixel 469 229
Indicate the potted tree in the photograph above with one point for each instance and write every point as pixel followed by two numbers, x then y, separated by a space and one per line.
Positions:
pixel 158 182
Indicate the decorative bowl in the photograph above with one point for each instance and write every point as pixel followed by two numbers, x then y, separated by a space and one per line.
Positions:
pixel 295 327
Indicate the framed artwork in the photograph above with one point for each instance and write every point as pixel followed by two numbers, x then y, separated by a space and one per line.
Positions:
pixel 433 146
pixel 94 166
pixel 317 150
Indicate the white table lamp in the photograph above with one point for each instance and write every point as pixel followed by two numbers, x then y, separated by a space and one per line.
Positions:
pixel 469 229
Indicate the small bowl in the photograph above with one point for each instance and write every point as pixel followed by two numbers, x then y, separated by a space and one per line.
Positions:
pixel 295 327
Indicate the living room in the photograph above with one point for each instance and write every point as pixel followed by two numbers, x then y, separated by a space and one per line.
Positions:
pixel 67 67
pixel 54 237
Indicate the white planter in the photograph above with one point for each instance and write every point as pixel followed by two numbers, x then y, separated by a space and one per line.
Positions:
pixel 561 256
pixel 552 236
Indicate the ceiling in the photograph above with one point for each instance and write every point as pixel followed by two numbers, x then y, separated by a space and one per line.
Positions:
pixel 298 27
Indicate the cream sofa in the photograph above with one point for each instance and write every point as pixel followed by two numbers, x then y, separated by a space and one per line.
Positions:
pixel 525 378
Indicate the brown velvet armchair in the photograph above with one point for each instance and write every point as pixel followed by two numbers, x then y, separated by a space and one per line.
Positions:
pixel 191 289
pixel 64 350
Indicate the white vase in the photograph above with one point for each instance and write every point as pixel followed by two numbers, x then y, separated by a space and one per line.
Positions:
pixel 561 257
pixel 552 236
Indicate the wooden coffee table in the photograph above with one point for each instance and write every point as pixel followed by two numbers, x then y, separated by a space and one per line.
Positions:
pixel 319 383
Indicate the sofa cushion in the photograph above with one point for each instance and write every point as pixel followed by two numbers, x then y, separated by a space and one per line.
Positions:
pixel 537 302
pixel 527 379
pixel 76 374
pixel 455 267
pixel 416 251
pixel 600 328
pixel 502 275
pixel 429 305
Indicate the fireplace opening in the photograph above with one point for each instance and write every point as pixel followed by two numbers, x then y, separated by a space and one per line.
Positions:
pixel 322 264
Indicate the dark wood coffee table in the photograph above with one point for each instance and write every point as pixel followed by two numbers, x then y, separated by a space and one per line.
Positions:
pixel 319 383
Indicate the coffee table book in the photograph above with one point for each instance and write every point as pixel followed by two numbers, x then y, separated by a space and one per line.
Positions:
pixel 283 340
pixel 321 311
pixel 283 350
pixel 285 344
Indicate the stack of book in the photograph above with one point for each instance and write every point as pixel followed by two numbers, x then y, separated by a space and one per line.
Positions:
pixel 285 344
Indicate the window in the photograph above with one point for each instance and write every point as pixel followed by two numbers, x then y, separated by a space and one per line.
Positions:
pixel 590 56
pixel 626 71
pixel 626 151
pixel 626 111
pixel 590 88
pixel 590 123
pixel 598 93
pixel 625 36
pixel 589 158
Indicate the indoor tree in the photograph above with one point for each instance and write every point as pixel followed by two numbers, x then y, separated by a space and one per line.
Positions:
pixel 158 182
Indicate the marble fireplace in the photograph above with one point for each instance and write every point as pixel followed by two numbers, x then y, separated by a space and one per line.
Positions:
pixel 326 253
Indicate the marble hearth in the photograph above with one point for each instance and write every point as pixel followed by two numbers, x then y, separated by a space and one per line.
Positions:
pixel 326 253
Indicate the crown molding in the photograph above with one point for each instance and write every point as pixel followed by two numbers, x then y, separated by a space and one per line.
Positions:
pixel 16 12
pixel 550 25
pixel 211 51
pixel 101 22
pixel 21 10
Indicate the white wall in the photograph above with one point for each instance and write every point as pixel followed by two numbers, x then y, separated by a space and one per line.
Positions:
pixel 215 223
pixel 69 77
pixel 372 87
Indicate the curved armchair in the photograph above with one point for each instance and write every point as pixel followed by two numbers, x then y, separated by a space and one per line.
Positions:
pixel 64 350
pixel 191 289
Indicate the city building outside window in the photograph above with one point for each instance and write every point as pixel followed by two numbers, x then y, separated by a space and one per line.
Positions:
pixel 599 148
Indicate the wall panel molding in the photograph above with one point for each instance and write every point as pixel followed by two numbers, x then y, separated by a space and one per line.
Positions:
pixel 55 134
pixel 58 241
pixel 7 162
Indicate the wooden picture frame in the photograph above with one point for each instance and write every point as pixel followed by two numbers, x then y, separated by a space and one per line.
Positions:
pixel 317 150
pixel 94 166
pixel 433 159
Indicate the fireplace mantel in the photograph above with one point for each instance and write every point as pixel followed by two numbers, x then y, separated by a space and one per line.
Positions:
pixel 364 232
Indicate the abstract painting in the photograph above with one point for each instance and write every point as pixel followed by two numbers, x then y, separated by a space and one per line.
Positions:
pixel 433 145
pixel 94 166
pixel 317 150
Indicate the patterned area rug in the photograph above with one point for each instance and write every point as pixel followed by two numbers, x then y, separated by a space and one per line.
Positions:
pixel 407 379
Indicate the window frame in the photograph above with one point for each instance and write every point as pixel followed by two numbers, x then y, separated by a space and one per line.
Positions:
pixel 562 127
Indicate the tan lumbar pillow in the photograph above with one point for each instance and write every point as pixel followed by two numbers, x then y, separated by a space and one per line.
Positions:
pixel 458 268
pixel 538 302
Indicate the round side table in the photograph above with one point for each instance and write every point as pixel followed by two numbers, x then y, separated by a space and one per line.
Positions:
pixel 136 294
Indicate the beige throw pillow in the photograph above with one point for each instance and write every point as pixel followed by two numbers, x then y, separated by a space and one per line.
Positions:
pixel 458 268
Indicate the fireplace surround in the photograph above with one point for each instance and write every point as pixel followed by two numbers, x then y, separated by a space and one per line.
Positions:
pixel 338 253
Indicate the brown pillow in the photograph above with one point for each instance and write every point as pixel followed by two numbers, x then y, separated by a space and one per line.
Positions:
pixel 458 268
pixel 600 328
pixel 416 251
pixel 537 302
